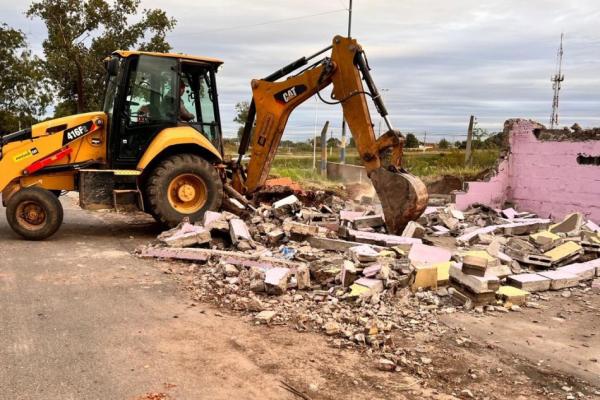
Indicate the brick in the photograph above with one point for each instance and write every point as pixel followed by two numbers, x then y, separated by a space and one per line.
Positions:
pixel 560 279
pixel 544 240
pixel 275 235
pixel 529 282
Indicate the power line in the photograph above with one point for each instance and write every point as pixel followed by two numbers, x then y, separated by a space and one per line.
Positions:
pixel 275 21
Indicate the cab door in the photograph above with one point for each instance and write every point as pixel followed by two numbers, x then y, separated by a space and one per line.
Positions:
pixel 150 104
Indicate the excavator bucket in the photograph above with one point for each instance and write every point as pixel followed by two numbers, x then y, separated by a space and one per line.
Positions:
pixel 403 197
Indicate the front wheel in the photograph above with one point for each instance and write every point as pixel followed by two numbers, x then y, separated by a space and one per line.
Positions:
pixel 181 186
pixel 34 213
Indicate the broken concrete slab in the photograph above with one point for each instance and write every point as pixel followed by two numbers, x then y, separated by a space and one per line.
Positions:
pixel 570 225
pixel 560 279
pixel 302 275
pixel 414 230
pixel 371 271
pixel 426 277
pixel 381 239
pixel 264 317
pixel 584 271
pixel 545 240
pixel 348 274
pixel 474 265
pixel 513 295
pixel 363 254
pixel 333 244
pixel 286 201
pixel 443 272
pixel 476 284
pixel 422 254
pixel 529 282
pixel 510 213
pixel 276 280
pixel 350 216
pixel 374 285
pixel 275 235
pixel 592 226
pixel 238 231
pixel 185 235
pixel 565 251
pixel 368 221
pixel 299 230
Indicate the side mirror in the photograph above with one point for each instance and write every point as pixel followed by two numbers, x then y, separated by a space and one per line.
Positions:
pixel 112 66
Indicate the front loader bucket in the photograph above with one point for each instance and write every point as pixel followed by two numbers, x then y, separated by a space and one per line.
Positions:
pixel 403 197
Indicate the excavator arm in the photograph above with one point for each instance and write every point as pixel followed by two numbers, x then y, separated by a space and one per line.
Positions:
pixel 403 196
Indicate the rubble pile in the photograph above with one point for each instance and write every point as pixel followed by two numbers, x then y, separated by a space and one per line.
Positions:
pixel 333 268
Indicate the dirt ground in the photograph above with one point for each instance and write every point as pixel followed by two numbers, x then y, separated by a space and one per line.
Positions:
pixel 83 318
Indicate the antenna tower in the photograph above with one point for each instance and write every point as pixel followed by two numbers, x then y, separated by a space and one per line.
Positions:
pixel 556 80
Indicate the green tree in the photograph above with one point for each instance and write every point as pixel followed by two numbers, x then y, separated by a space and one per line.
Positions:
pixel 411 141
pixel 24 91
pixel 241 115
pixel 334 142
pixel 81 33
pixel 443 144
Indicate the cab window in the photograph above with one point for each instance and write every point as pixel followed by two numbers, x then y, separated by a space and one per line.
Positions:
pixel 198 100
pixel 152 91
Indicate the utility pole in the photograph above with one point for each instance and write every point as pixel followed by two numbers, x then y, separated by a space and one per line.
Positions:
pixel 315 134
pixel 556 80
pixel 343 147
pixel 324 150
pixel 468 158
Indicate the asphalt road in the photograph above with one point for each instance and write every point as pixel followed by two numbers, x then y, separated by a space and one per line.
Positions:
pixel 81 318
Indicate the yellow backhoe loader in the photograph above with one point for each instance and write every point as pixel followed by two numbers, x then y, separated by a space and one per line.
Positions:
pixel 157 144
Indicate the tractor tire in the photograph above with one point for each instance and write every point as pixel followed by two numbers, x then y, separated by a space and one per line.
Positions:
pixel 34 213
pixel 184 185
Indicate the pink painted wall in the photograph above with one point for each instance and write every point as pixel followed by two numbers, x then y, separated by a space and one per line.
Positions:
pixel 541 176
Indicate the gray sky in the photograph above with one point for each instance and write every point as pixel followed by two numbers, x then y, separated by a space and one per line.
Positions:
pixel 440 60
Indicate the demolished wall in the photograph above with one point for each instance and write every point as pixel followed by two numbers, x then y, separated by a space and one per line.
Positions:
pixel 546 174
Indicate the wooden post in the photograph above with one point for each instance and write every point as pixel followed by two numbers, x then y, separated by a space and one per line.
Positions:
pixel 324 150
pixel 468 155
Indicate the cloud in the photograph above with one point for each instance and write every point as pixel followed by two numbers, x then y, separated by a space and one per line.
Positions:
pixel 439 61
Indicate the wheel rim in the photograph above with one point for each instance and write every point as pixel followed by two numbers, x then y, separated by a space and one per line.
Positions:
pixel 31 215
pixel 187 193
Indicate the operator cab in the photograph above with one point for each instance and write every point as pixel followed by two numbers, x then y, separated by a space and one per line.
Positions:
pixel 149 92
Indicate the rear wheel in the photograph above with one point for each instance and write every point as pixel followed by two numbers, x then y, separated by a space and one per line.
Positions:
pixel 34 213
pixel 181 186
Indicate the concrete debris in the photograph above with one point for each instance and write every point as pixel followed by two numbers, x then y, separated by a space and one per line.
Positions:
pixel 330 266
pixel 185 235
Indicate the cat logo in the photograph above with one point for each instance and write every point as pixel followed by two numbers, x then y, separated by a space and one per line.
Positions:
pixel 286 95
pixel 76 132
